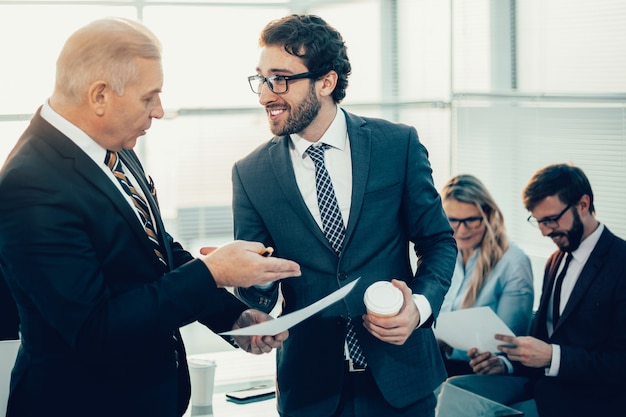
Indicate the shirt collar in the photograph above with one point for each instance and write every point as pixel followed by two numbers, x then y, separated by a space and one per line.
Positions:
pixel 336 135
pixel 80 138
pixel 587 245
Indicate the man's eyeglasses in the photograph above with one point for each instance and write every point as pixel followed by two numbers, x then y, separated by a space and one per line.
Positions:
pixel 469 222
pixel 279 84
pixel 551 222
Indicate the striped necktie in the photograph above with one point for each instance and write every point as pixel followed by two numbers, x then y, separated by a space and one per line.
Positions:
pixel 115 165
pixel 334 230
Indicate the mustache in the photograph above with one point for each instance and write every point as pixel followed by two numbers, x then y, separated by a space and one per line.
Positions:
pixel 557 234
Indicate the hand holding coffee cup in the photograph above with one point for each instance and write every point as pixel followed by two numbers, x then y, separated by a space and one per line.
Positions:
pixel 383 299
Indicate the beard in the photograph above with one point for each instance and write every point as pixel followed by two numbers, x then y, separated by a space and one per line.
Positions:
pixel 300 117
pixel 574 235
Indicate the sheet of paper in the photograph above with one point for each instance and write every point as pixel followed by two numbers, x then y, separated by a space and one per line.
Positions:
pixel 471 327
pixel 282 323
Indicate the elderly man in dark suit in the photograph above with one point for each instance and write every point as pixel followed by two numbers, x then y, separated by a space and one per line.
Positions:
pixel 574 361
pixel 100 285
pixel 344 196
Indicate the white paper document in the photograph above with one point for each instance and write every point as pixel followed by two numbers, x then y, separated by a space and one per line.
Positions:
pixel 471 327
pixel 282 323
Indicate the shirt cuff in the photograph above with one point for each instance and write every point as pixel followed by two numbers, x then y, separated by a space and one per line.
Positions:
pixel 507 364
pixel 265 286
pixel 424 308
pixel 555 364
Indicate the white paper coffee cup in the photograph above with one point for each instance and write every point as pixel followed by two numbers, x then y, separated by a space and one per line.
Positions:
pixel 383 299
pixel 202 375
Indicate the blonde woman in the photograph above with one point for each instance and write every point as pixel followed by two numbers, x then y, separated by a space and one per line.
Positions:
pixel 490 271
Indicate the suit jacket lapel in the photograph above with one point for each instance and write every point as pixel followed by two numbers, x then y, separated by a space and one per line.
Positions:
pixel 86 168
pixel 539 325
pixel 360 149
pixel 283 171
pixel 587 275
pixel 130 160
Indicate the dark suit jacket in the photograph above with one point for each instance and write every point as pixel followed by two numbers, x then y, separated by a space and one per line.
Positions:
pixel 393 203
pixel 592 335
pixel 9 319
pixel 100 314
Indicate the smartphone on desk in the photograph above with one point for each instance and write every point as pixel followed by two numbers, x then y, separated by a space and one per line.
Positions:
pixel 248 395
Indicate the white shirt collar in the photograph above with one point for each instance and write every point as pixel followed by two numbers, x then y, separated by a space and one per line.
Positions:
pixel 80 138
pixel 587 245
pixel 336 135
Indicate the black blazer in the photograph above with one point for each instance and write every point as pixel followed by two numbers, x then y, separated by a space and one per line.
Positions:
pixel 9 319
pixel 592 335
pixel 393 204
pixel 99 313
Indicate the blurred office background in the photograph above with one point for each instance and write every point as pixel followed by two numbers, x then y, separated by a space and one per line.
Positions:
pixel 496 88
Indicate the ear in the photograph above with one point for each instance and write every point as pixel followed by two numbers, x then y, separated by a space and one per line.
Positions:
pixel 583 204
pixel 329 82
pixel 98 96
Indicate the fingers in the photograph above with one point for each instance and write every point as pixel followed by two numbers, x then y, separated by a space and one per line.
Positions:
pixel 486 364
pixel 206 250
pixel 394 330
pixel 257 344
pixel 244 264
pixel 510 340
pixel 479 359
pixel 472 353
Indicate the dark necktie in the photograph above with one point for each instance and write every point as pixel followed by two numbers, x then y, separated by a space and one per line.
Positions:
pixel 115 165
pixel 556 300
pixel 334 229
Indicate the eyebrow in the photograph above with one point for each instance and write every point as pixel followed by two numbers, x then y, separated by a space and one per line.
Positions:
pixel 275 70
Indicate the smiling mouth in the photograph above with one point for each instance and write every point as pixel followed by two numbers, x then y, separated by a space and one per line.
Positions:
pixel 273 113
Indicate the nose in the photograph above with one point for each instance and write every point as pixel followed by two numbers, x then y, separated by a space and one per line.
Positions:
pixel 545 230
pixel 266 95
pixel 157 112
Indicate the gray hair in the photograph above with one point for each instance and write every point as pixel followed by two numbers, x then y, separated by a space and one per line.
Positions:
pixel 103 50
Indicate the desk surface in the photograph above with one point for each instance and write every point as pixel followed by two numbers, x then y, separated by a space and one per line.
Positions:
pixel 235 370
pixel 223 408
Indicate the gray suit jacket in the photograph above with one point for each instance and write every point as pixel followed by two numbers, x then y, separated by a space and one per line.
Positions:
pixel 393 204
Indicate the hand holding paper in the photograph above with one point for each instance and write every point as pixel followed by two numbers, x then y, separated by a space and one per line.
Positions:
pixel 471 327
pixel 273 327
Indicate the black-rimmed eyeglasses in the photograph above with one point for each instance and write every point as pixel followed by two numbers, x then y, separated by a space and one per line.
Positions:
pixel 278 84
pixel 469 222
pixel 551 222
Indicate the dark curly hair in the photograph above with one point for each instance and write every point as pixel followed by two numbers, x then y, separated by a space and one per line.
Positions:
pixel 319 45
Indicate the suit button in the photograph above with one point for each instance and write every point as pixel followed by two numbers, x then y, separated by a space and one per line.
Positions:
pixel 342 276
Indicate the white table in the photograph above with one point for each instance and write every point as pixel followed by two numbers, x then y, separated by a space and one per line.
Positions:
pixel 235 370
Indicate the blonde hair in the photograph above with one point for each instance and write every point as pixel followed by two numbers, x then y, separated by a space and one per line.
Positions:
pixel 103 50
pixel 469 189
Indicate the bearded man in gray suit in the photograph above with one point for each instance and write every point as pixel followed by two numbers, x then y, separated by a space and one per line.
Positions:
pixel 383 189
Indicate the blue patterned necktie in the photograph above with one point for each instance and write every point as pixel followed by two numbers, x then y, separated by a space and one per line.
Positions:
pixel 115 165
pixel 334 229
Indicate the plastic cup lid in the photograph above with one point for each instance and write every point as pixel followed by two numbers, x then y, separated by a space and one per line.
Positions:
pixel 383 298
